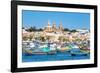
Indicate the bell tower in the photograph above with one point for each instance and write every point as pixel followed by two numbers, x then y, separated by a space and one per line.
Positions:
pixel 48 23
pixel 54 25
pixel 60 26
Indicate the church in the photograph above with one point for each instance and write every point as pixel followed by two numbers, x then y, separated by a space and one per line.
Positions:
pixel 53 28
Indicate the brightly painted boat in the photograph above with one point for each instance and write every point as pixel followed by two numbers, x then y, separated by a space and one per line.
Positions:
pixel 87 50
pixel 75 51
pixel 34 51
pixel 40 49
pixel 64 49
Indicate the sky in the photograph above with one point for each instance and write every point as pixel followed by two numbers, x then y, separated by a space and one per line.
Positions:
pixel 70 20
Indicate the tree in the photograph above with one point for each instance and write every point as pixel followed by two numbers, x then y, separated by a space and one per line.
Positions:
pixel 23 27
pixel 40 29
pixel 60 38
pixel 42 38
pixel 30 37
pixel 31 29
pixel 73 31
pixel 66 29
pixel 25 38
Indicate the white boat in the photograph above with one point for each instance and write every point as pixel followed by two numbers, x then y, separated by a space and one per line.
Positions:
pixel 53 47
pixel 43 46
pixel 32 45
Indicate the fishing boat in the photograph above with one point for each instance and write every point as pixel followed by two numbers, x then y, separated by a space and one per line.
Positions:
pixel 86 50
pixel 75 51
pixel 52 49
pixel 64 48
pixel 45 48
pixel 34 51
pixel 33 48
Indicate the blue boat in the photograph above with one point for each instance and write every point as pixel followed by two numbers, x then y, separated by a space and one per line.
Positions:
pixel 75 51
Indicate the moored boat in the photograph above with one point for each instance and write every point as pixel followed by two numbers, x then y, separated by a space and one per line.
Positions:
pixel 75 51
pixel 85 50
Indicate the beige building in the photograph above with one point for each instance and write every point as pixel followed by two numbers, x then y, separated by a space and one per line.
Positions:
pixel 53 28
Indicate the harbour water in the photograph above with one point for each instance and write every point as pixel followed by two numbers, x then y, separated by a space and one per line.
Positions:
pixel 59 56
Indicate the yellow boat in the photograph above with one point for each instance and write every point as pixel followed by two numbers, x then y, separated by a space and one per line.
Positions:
pixel 86 51
pixel 63 49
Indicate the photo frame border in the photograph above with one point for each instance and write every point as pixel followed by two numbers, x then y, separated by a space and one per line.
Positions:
pixel 14 5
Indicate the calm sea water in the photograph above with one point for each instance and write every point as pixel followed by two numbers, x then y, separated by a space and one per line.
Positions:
pixel 55 57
